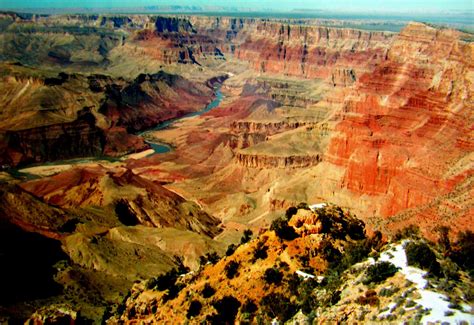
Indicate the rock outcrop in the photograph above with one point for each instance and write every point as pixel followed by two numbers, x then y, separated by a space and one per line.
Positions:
pixel 263 161
pixel 80 138
pixel 152 98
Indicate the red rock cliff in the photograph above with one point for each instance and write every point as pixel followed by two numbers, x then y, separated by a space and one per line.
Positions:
pixel 405 131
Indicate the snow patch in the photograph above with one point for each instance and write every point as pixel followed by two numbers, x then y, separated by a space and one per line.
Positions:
pixel 305 275
pixel 318 206
pixel 389 310
pixel 436 302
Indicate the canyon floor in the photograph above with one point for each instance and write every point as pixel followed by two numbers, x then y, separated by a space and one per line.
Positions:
pixel 134 145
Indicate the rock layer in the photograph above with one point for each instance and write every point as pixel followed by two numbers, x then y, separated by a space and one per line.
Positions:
pixel 263 161
pixel 47 118
pixel 408 123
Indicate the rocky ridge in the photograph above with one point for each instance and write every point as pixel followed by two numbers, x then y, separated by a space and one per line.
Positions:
pixel 311 267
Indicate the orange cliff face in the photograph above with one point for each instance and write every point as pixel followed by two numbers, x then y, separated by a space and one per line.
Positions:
pixel 405 132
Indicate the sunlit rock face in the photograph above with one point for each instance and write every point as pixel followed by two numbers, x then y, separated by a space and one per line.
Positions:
pixel 405 130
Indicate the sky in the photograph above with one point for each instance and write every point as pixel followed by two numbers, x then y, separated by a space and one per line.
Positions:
pixel 286 5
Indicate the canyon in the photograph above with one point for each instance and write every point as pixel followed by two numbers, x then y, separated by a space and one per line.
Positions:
pixel 378 123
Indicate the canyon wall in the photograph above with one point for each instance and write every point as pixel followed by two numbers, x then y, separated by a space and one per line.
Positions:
pixel 80 138
pixel 52 117
pixel 405 131
pixel 269 46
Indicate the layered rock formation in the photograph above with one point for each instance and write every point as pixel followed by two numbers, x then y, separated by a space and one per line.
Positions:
pixel 80 138
pixel 294 48
pixel 262 161
pixel 308 51
pixel 405 128
pixel 152 98
pixel 133 199
pixel 49 117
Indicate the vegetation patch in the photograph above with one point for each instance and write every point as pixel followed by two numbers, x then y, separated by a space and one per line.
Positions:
pixel 420 255
pixel 277 305
pixel 260 252
pixel 379 272
pixel 226 311
pixel 231 269
pixel 283 230
pixel 194 309
pixel 208 291
pixel 273 276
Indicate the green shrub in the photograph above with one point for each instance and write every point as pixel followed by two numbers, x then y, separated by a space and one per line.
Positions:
pixel 181 268
pixel 411 231
pixel 260 252
pixel 272 276
pixel 303 205
pixel 290 212
pixel 328 252
pixel 227 309
pixel 339 224
pixel 283 230
pixel 308 302
pixel 463 252
pixel 173 291
pixel 293 284
pixel 443 238
pixel 247 312
pixel 230 249
pixel 231 269
pixel 455 305
pixel 420 255
pixel 208 291
pixel 410 303
pixel 276 305
pixel 378 272
pixel 388 292
pixel 246 237
pixel 163 281
pixel 249 307
pixel 211 257
pixel 194 309
pixel 283 265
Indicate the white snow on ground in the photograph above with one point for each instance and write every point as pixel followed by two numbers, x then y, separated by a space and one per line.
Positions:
pixel 389 310
pixel 317 206
pixel 304 275
pixel 307 276
pixel 429 299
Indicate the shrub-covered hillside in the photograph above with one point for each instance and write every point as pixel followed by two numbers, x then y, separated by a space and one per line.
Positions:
pixel 314 265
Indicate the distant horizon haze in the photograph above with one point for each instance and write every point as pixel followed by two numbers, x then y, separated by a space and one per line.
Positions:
pixel 376 6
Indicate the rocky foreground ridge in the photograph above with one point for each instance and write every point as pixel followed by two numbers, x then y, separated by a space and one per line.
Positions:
pixel 309 268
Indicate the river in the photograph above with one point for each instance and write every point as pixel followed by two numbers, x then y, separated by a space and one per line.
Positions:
pixel 162 147
pixel 158 148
